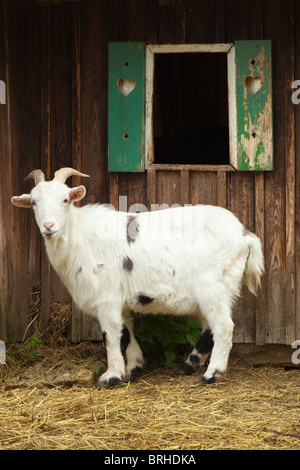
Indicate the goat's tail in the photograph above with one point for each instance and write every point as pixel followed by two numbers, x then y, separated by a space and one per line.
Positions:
pixel 255 263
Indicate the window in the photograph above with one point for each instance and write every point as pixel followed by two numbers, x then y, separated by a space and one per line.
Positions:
pixel 203 105
pixel 190 109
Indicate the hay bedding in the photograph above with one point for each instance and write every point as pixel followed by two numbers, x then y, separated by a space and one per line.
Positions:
pixel 250 408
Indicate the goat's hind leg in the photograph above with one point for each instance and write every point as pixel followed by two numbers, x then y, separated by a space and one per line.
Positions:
pixel 222 330
pixel 134 355
pixel 199 354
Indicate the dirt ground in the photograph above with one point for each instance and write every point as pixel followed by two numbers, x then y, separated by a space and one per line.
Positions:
pixel 250 408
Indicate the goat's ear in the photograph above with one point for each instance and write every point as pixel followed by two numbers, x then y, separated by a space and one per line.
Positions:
pixel 22 201
pixel 77 193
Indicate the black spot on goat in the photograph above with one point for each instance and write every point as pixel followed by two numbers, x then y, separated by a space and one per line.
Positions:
pixel 144 299
pixel 127 264
pixel 199 354
pixel 206 343
pixel 125 338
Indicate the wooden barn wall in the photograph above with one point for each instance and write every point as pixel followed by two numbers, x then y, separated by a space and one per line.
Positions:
pixel 54 62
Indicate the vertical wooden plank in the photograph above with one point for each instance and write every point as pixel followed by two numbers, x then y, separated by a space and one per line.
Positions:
pixel 114 190
pixel 91 72
pixel 240 189
pixel 257 32
pixel 77 314
pixel 45 92
pixel 275 182
pixel 94 80
pixel 132 190
pixel 171 22
pixel 184 187
pixel 222 188
pixel 138 25
pixel 61 85
pixel 168 187
pixel 262 299
pixel 13 240
pixel 150 22
pixel 4 149
pixel 151 188
pixel 238 19
pixel 290 174
pixel 220 38
pixel 220 21
pixel 61 147
pixel 201 21
pixel 76 93
pixel 45 154
pixel 32 127
pixel 138 20
pixel 297 176
pixel 203 187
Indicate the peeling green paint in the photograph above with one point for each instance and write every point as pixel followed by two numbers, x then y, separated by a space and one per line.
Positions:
pixel 126 150
pixel 254 105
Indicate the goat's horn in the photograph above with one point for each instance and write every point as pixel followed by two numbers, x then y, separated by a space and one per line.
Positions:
pixel 64 173
pixel 37 175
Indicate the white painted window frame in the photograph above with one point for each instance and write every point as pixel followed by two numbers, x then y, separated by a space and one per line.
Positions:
pixel 228 49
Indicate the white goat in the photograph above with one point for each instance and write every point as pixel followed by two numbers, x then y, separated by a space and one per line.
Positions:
pixel 187 261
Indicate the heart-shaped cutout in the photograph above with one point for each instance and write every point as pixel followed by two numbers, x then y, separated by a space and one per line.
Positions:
pixel 253 84
pixel 126 85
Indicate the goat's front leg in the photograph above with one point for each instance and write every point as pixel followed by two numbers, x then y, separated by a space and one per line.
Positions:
pixel 111 325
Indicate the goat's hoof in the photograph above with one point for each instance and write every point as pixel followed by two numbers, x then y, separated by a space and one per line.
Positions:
pixel 133 374
pixel 207 381
pixel 185 369
pixel 108 383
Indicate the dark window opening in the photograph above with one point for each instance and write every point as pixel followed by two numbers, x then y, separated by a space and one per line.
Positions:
pixel 190 109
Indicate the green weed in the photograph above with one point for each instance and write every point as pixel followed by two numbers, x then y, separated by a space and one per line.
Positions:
pixel 27 350
pixel 166 338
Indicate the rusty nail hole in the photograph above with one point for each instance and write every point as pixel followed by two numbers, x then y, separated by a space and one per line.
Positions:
pixel 253 62
pixel 126 63
pixel 254 134
pixel 125 136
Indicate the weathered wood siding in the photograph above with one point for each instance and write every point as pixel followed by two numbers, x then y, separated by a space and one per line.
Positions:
pixel 54 61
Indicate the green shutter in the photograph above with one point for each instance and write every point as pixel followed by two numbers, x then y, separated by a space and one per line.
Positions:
pixel 126 106
pixel 254 124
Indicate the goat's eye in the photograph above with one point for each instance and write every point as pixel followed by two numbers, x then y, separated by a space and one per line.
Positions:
pixel 33 203
pixel 65 201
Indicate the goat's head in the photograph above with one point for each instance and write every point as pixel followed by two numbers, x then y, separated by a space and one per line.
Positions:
pixel 51 200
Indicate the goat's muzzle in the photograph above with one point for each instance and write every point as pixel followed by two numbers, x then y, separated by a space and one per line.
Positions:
pixel 48 229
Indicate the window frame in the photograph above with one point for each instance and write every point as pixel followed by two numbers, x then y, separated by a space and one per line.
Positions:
pixel 151 50
pixel 250 105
